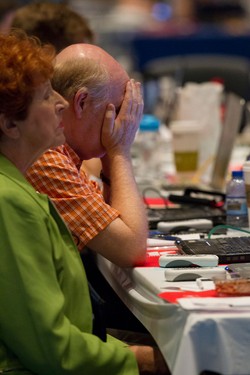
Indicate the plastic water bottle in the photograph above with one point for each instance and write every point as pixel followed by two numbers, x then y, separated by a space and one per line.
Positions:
pixel 236 204
pixel 145 150
pixel 166 156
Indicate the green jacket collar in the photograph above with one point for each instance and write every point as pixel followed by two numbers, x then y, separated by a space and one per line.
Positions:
pixel 9 170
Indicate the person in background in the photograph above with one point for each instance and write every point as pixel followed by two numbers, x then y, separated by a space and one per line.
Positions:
pixel 7 11
pixel 60 25
pixel 54 23
pixel 45 308
pixel 129 15
pixel 111 222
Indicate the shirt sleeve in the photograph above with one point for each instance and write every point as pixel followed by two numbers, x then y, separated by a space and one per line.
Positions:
pixel 79 200
pixel 38 301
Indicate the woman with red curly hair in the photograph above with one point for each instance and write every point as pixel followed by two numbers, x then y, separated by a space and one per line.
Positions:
pixel 46 319
pixel 26 96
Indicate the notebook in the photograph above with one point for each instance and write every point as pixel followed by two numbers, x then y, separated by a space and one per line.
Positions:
pixel 228 249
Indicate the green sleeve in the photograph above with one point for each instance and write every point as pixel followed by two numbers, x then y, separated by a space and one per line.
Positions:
pixel 45 312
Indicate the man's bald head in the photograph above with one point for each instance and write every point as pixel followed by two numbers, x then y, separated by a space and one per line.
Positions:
pixel 89 51
pixel 87 65
pixel 90 79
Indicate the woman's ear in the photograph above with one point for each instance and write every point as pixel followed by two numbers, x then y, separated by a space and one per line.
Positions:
pixel 79 102
pixel 9 127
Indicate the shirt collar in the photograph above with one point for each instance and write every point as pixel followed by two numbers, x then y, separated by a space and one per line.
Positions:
pixel 72 155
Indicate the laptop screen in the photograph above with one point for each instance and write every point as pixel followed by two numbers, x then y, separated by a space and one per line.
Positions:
pixel 230 128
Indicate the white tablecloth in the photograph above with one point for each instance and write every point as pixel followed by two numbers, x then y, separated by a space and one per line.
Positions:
pixel 190 341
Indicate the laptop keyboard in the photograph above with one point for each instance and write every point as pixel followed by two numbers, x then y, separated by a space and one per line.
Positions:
pixel 228 249
pixel 155 215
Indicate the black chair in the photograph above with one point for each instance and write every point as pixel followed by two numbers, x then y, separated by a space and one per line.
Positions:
pixel 233 71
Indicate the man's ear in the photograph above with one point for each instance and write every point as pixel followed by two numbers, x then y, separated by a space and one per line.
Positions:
pixel 80 102
pixel 9 127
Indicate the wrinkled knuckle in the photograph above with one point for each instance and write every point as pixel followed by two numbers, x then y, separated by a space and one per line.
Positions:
pixel 132 119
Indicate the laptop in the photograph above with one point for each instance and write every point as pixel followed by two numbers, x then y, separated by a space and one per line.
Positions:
pixel 228 249
pixel 185 212
pixel 233 118
pixel 235 107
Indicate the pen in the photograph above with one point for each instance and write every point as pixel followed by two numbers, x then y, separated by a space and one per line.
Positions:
pixel 159 235
pixel 199 282
pixel 233 274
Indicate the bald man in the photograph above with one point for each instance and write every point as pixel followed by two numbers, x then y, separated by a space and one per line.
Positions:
pixel 105 108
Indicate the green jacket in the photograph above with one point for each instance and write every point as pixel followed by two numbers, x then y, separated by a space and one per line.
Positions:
pixel 45 308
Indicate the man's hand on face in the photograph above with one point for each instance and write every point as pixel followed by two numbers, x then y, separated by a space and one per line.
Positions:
pixel 118 133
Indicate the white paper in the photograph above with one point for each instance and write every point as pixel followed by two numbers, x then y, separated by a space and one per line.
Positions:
pixel 217 303
pixel 153 242
pixel 157 242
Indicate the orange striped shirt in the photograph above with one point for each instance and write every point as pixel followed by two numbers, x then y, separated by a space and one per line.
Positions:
pixel 79 200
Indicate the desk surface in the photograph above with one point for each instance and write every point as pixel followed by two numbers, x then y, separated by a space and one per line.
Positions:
pixel 190 341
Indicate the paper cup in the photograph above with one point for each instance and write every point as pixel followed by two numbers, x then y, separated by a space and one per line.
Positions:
pixel 186 137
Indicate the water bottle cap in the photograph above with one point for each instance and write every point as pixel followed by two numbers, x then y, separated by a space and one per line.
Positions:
pixel 237 174
pixel 149 123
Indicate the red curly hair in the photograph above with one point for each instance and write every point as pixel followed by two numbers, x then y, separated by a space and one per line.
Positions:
pixel 24 65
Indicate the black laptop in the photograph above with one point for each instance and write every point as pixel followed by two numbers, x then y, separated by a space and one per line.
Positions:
pixel 193 203
pixel 228 249
pixel 185 212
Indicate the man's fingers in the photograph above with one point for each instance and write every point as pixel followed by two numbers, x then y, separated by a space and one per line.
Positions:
pixel 109 121
pixel 119 132
pixel 110 113
pixel 140 101
pixel 127 103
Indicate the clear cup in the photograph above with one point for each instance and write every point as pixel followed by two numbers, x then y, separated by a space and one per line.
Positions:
pixel 186 136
